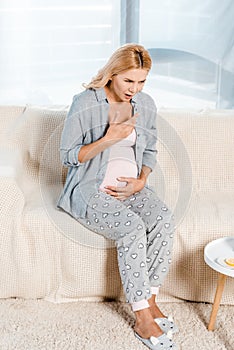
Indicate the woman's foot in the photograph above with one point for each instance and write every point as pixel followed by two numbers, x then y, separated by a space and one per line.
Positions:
pixel 154 309
pixel 145 325
pixel 149 333
pixel 165 323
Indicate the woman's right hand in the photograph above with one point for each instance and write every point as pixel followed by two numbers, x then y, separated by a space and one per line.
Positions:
pixel 115 132
pixel 120 130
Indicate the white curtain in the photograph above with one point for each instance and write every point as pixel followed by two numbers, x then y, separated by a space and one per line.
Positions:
pixel 48 48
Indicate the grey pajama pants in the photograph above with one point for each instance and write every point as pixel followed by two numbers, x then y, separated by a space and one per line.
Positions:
pixel 142 228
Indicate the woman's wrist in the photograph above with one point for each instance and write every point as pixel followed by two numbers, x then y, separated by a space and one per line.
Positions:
pixel 140 184
pixel 144 174
pixel 108 141
pixel 143 177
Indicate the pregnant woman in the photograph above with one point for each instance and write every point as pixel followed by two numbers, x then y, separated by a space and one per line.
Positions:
pixel 109 146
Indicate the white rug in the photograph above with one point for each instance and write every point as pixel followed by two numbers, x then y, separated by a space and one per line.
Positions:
pixel 40 325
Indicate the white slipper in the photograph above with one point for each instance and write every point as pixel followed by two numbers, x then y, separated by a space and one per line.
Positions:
pixel 167 324
pixel 163 342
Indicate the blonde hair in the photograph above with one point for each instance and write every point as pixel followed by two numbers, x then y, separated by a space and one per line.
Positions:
pixel 128 56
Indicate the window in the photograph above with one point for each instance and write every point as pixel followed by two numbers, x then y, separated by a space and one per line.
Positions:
pixel 192 46
pixel 49 48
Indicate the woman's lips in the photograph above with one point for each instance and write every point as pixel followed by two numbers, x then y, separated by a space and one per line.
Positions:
pixel 128 96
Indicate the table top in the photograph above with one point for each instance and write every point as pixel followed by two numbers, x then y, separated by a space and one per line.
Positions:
pixel 217 251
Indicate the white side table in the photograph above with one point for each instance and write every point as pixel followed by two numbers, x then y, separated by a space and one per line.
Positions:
pixel 215 254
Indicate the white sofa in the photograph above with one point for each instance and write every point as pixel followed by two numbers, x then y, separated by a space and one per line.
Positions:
pixel 44 253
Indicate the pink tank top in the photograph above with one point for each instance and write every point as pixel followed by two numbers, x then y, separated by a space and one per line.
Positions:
pixel 121 162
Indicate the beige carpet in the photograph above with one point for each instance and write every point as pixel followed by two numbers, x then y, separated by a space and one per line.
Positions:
pixel 40 325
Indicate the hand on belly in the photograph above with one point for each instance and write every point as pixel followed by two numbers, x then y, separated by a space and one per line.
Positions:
pixel 132 186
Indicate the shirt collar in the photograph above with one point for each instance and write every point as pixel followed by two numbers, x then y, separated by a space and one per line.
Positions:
pixel 101 95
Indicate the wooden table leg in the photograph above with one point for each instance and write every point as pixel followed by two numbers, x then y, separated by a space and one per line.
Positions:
pixel 218 296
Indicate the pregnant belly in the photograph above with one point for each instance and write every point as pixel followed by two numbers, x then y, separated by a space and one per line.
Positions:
pixel 119 167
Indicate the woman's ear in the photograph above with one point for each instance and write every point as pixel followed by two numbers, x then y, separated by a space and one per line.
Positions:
pixel 109 82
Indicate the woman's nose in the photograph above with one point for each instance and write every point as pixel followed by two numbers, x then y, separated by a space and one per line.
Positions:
pixel 133 88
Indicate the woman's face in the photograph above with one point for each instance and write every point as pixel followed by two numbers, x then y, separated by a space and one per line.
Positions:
pixel 125 85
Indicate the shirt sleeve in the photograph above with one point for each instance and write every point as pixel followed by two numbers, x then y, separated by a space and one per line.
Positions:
pixel 150 152
pixel 72 136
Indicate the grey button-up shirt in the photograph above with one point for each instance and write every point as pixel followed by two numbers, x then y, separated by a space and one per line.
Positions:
pixel 86 122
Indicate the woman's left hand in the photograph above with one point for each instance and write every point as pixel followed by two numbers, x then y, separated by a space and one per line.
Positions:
pixel 133 185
